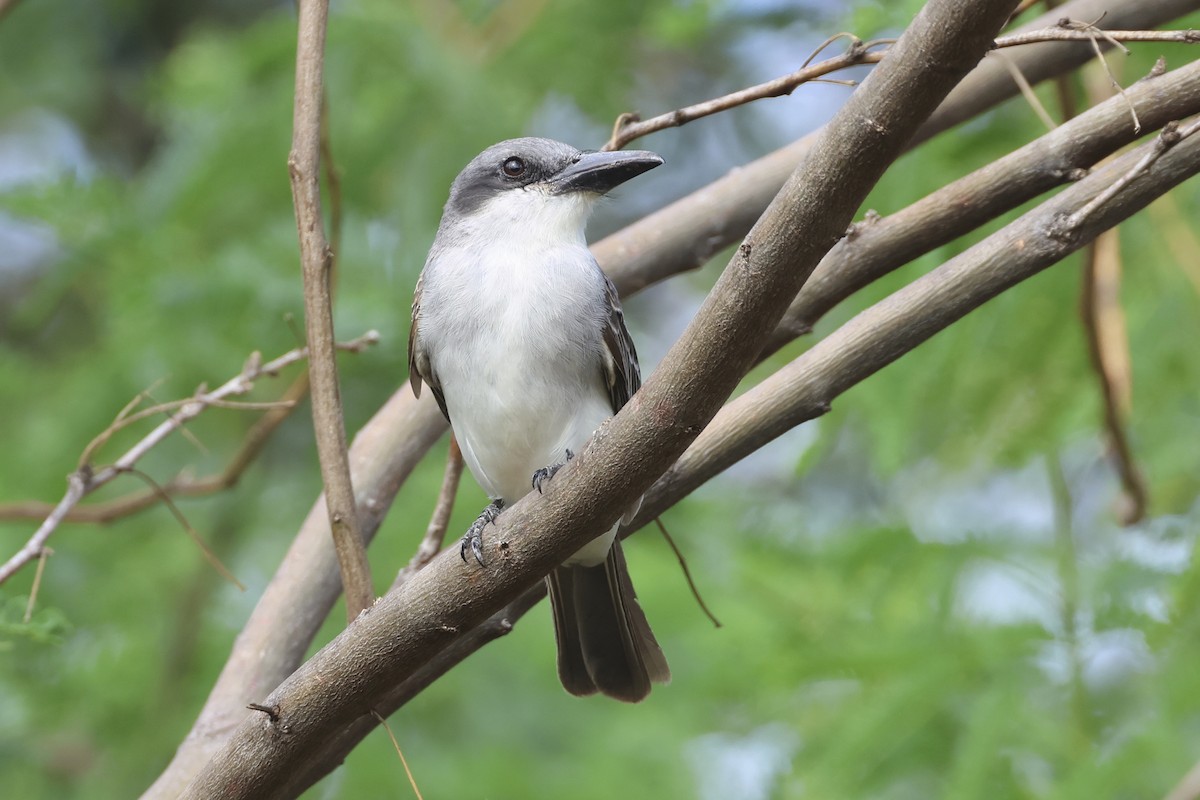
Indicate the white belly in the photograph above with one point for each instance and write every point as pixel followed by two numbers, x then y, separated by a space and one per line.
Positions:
pixel 518 357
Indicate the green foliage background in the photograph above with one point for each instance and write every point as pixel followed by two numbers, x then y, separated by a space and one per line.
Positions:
pixel 913 604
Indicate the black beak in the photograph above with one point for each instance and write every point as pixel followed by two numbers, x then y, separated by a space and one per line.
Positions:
pixel 600 172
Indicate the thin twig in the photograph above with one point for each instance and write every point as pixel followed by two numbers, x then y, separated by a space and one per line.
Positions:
pixel 37 583
pixel 192 533
pixel 1168 137
pixel 687 573
pixel 77 487
pixel 1101 257
pixel 1027 91
pixel 411 780
pixel 439 521
pixel 1108 350
pixel 1083 31
pixel 316 260
pixel 253 443
pixel 157 409
pixel 1116 84
pixel 85 479
pixel 630 127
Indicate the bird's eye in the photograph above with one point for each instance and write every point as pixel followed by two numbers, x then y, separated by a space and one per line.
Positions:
pixel 513 167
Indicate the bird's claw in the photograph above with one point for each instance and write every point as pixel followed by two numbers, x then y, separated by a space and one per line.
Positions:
pixel 546 473
pixel 473 540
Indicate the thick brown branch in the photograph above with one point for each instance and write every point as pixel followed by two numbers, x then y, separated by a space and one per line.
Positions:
pixel 281 628
pixel 316 259
pixel 779 404
pixel 878 245
pixel 408 627
pixel 677 238
pixel 805 388
pixel 686 234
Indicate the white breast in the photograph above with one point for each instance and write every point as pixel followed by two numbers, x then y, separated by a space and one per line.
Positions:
pixel 512 324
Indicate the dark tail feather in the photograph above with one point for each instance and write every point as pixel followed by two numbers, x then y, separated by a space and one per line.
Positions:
pixel 604 641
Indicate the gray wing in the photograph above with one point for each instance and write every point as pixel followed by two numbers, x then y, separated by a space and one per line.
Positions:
pixel 620 367
pixel 419 368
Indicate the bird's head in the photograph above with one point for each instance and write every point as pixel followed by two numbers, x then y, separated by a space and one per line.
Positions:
pixel 538 187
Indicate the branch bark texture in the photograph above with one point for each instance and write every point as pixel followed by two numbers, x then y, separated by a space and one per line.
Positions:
pixel 811 383
pixel 805 388
pixel 679 237
pixel 408 627
pixel 317 261
pixel 686 234
pixel 877 246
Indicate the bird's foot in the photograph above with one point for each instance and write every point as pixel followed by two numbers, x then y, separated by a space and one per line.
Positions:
pixel 546 473
pixel 473 540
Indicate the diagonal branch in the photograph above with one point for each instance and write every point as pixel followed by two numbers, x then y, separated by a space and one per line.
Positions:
pixel 806 388
pixel 878 245
pixel 687 233
pixel 629 127
pixel 408 627
pixel 86 480
pixel 677 238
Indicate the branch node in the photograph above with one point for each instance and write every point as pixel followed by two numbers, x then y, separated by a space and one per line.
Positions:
pixel 1062 228
pixel 273 716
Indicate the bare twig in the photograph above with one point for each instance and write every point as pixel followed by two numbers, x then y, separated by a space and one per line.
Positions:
pixel 404 761
pixel 37 583
pixel 77 487
pixel 85 479
pixel 1108 350
pixel 630 127
pixel 192 533
pixel 1072 30
pixel 804 390
pixel 1100 309
pixel 687 573
pixel 253 443
pixel 1170 136
pixel 316 259
pixel 1116 84
pixel 675 239
pixel 1027 91
pixel 435 534
pixel 410 626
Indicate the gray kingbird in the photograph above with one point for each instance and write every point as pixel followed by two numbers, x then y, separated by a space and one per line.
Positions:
pixel 521 338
